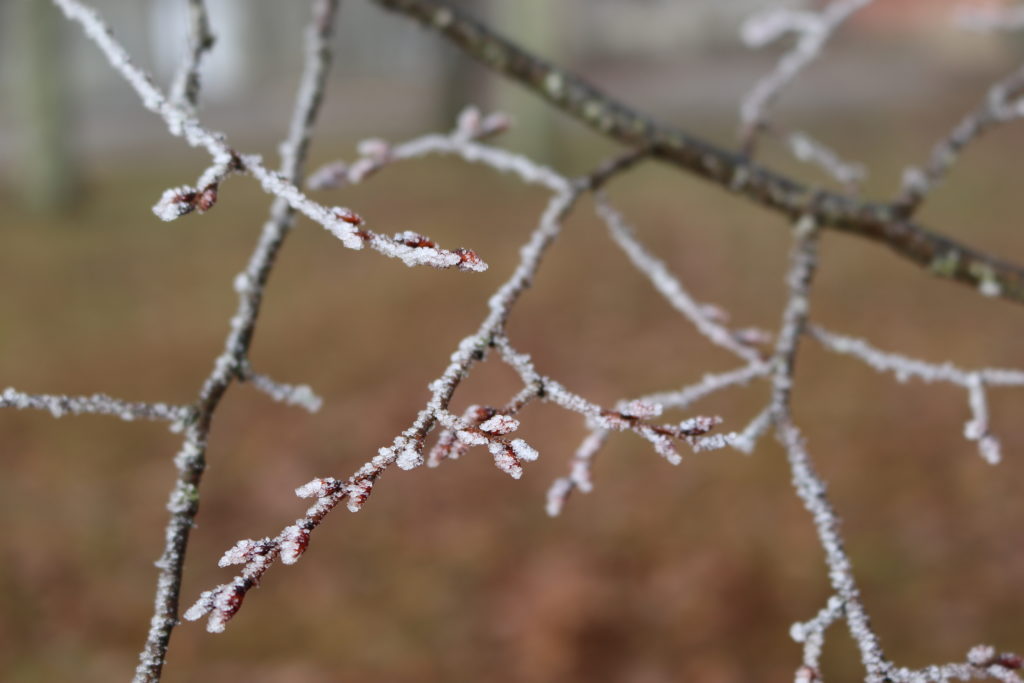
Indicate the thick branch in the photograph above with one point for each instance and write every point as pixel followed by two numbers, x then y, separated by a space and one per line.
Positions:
pixel 881 222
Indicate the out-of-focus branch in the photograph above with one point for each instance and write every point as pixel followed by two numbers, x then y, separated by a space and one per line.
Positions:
pixel 185 88
pixel 1004 102
pixel 812 29
pixel 570 93
pixel 59 405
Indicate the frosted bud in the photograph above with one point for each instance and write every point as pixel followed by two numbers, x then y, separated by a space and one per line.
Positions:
pixel 410 457
pixel 500 424
pixel 240 553
pixel 468 122
pixel 471 438
pixel 294 541
pixel 505 459
pixel 175 203
pixel 981 655
pixel 318 488
pixel 641 409
pixel 524 451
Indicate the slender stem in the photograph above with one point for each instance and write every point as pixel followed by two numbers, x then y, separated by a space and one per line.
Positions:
pixel 184 499
pixel 770 188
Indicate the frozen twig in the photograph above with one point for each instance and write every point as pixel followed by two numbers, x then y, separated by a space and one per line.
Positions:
pixel 99 404
pixel 483 427
pixel 808 483
pixel 768 187
pixel 813 30
pixel 406 449
pixel 812 634
pixel 343 223
pixel 376 154
pixel 579 477
pixel 185 88
pixel 904 368
pixel 805 148
pixel 249 285
pixel 1004 102
pixel 301 395
pixel 670 287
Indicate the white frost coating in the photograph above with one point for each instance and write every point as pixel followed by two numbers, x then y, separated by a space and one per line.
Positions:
pixel 456 143
pixel 99 404
pixel 558 493
pixel 807 149
pixel 357 494
pixel 300 395
pixel 410 457
pixel 813 30
pixel 524 451
pixel 668 285
pixel 500 424
pixel 318 488
pixel 471 438
pixel 240 553
pixel 182 124
pixel 640 408
pixel 171 206
pixel 903 368
pixel 976 429
pixel 505 459
pixel 293 542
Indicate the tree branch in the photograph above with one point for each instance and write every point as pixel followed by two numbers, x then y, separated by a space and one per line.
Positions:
pixel 881 222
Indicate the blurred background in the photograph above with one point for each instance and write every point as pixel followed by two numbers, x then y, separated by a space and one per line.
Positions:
pixel 456 574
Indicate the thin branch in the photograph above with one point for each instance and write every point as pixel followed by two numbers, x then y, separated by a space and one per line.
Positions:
pixel 566 91
pixel 190 460
pixel 813 30
pixel 476 428
pixel 301 395
pixel 670 287
pixel 1004 102
pixel 808 483
pixel 904 368
pixel 185 88
pixel 341 222
pixel 59 405
pixel 581 464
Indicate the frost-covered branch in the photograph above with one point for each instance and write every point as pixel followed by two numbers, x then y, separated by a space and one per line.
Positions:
pixel 809 485
pixel 301 395
pixel 343 223
pixel 904 368
pixel 228 366
pixel 705 318
pixel 600 428
pixel 59 405
pixel 1004 102
pixel 849 174
pixel 813 30
pixel 406 450
pixel 185 88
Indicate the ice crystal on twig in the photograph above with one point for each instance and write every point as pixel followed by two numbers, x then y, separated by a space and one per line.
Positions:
pixel 1004 102
pixel 100 404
